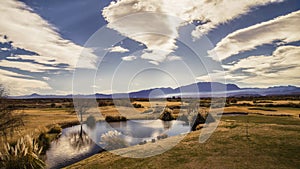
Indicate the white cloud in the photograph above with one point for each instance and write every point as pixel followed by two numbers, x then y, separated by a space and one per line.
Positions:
pixel 283 29
pixel 173 58
pixel 46 78
pixel 129 58
pixel 118 49
pixel 156 31
pixel 281 68
pixel 155 23
pixel 26 66
pixel 19 84
pixel 24 29
pixel 220 76
pixel 154 62
pixel 29 31
pixel 213 13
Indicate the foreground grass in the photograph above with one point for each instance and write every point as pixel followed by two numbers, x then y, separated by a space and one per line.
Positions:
pixel 253 141
pixel 37 119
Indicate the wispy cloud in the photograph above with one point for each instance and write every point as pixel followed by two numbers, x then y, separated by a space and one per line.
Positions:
pixel 174 58
pixel 26 66
pixel 155 23
pixel 24 29
pixel 19 84
pixel 29 31
pixel 129 58
pixel 280 68
pixel 118 49
pixel 284 29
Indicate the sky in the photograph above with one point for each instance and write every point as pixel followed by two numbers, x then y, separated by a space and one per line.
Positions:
pixel 100 46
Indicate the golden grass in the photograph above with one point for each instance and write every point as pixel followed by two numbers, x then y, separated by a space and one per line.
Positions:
pixel 279 110
pixel 36 120
pixel 227 148
pixel 261 102
pixel 271 142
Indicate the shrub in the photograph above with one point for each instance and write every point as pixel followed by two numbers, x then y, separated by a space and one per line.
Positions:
pixel 197 119
pixel 55 130
pixel 25 154
pixel 52 105
pixel 44 141
pixel 91 121
pixel 135 105
pixel 115 118
pixel 167 115
pixel 103 103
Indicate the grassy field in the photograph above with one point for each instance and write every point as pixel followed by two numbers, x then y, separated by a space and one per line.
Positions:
pixel 253 141
pixel 36 120
pixel 262 139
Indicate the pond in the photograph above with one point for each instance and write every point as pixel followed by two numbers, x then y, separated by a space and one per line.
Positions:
pixel 69 149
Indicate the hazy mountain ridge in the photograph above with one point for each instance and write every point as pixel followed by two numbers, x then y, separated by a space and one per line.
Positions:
pixel 202 89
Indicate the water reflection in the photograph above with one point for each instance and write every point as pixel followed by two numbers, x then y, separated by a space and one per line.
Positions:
pixel 75 145
pixel 79 140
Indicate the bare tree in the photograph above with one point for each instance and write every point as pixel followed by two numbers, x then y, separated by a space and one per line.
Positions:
pixel 9 121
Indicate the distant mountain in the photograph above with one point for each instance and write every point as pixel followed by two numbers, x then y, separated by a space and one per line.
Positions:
pixel 200 89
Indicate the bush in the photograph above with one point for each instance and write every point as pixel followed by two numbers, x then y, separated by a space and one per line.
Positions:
pixel 91 121
pixel 44 141
pixel 25 154
pixel 167 115
pixel 103 103
pixel 55 130
pixel 52 105
pixel 197 119
pixel 115 118
pixel 135 105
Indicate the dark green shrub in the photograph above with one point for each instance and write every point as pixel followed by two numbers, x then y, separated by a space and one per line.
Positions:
pixel 115 118
pixel 52 105
pixel 55 130
pixel 91 121
pixel 167 115
pixel 44 141
pixel 196 120
pixel 135 105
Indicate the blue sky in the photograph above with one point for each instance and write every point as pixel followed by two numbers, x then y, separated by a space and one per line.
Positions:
pixel 49 47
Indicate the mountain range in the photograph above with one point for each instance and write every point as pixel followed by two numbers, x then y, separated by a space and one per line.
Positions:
pixel 200 89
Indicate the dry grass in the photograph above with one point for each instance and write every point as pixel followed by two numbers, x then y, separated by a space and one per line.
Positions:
pixel 272 142
pixel 264 102
pixel 278 110
pixel 37 120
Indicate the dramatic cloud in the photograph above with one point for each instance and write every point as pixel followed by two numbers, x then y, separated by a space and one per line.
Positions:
pixel 155 23
pixel 281 68
pixel 18 84
pixel 118 49
pixel 26 66
pixel 29 31
pixel 23 29
pixel 215 12
pixel 283 29
pixel 220 76
pixel 129 58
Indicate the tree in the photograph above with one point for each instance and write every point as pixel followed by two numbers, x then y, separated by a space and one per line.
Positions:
pixel 9 121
